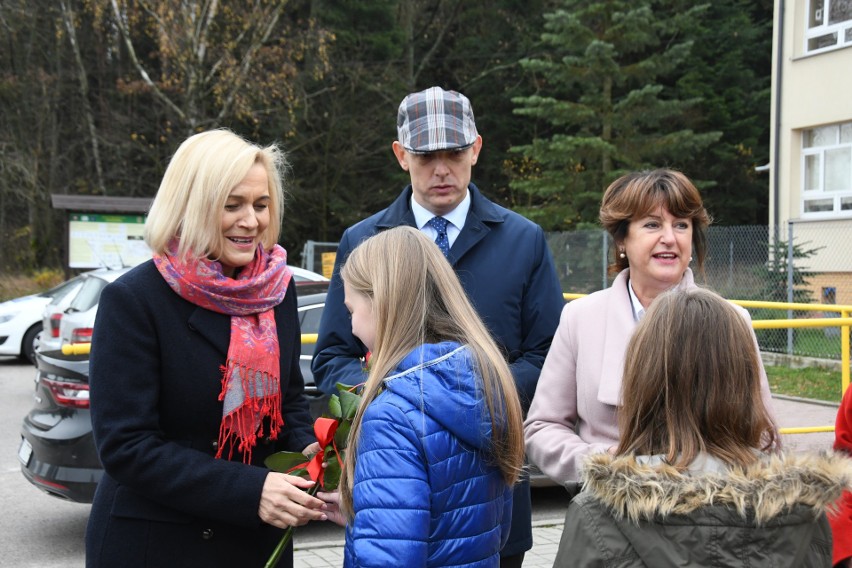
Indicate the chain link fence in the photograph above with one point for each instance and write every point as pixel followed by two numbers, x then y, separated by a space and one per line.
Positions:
pixel 802 263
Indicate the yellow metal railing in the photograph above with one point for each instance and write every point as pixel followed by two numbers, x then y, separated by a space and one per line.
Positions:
pixel 309 338
pixel 806 430
pixel 844 322
pixel 86 348
pixel 76 348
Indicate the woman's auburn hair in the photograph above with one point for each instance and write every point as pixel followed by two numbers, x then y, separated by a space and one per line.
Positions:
pixel 417 298
pixel 692 383
pixel 195 187
pixel 634 195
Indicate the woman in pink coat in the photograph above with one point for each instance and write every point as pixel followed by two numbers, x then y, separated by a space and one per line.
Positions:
pixel 658 225
pixel 841 520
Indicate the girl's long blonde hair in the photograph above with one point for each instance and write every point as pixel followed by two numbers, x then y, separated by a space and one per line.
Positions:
pixel 417 298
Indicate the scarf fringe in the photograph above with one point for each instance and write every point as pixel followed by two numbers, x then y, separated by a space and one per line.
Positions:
pixel 250 301
pixel 243 426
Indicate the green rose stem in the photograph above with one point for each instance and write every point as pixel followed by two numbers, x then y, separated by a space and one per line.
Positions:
pixel 332 432
pixel 288 536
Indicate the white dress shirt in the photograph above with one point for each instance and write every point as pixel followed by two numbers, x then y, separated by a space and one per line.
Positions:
pixel 638 308
pixel 456 219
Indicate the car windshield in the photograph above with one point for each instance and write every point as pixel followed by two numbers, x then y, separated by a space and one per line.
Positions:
pixel 60 291
pixel 311 319
pixel 88 295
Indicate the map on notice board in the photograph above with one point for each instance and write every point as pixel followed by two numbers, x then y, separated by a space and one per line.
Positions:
pixel 106 240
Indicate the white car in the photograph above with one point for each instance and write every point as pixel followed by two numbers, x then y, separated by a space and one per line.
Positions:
pixel 80 307
pixel 308 282
pixel 21 319
pixel 305 275
pixel 72 322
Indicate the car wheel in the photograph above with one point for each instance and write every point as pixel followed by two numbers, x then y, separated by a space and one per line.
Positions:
pixel 28 345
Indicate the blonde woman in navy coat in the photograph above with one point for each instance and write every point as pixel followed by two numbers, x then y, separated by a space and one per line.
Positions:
pixel 195 374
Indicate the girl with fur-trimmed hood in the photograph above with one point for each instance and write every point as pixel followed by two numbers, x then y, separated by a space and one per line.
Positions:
pixel 696 479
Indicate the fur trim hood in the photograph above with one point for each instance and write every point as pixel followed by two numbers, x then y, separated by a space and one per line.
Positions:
pixel 760 492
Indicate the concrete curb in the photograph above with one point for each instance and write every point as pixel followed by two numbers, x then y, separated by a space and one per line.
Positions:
pixel 806 400
pixel 321 544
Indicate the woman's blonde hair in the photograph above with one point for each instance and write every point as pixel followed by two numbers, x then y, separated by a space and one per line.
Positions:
pixel 634 195
pixel 692 383
pixel 195 188
pixel 417 298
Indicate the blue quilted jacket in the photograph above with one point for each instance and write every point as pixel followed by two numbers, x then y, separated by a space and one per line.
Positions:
pixel 424 495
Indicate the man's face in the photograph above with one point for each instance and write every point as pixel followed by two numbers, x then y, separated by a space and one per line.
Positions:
pixel 439 179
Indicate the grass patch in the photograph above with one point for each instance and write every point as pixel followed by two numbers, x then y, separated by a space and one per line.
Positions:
pixel 16 286
pixel 807 382
pixel 823 343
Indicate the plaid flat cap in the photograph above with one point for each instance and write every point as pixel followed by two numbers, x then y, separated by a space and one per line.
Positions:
pixel 434 120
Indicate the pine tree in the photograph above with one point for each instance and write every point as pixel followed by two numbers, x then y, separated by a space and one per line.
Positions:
pixel 730 68
pixel 602 105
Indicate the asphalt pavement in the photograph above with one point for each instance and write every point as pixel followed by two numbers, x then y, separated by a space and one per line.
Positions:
pixel 790 413
pixel 44 532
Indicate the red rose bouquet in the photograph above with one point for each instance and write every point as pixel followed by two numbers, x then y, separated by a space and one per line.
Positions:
pixel 332 432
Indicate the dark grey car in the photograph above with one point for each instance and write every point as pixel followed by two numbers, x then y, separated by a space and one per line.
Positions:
pixel 57 450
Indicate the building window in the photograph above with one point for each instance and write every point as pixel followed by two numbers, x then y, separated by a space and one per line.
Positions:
pixel 829 25
pixel 827 170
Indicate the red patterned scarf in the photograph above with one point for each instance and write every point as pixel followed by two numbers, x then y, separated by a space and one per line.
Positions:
pixel 251 385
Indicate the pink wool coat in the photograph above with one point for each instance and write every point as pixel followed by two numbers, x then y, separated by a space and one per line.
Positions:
pixel 573 413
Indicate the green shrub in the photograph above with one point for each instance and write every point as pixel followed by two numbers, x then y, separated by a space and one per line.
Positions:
pixel 46 278
pixel 17 285
pixel 774 288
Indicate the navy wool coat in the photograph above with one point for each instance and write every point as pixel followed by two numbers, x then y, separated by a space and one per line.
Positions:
pixel 505 266
pixel 155 380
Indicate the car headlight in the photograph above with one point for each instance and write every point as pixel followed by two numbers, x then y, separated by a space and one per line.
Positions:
pixel 7 317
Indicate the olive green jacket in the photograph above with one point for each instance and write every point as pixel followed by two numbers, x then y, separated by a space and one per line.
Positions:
pixel 772 514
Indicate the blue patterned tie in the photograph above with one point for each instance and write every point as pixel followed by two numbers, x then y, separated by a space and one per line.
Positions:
pixel 440 225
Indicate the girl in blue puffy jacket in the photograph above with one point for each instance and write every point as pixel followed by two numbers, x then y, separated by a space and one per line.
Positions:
pixel 438 440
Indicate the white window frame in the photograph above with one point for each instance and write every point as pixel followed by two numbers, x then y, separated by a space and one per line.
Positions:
pixel 820 192
pixel 824 29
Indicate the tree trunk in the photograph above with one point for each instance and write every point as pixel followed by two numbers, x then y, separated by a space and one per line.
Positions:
pixel 68 19
pixel 408 28
pixel 606 133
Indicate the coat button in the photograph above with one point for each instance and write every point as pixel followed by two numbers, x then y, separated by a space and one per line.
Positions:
pixel 207 534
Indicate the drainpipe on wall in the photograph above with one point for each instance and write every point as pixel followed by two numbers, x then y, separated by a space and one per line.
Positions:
pixel 776 150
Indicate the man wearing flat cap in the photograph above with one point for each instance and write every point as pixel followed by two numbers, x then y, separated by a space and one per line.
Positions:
pixel 501 258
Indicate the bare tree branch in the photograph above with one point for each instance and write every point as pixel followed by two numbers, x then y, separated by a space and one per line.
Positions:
pixel 68 20
pixel 248 58
pixel 424 61
pixel 125 34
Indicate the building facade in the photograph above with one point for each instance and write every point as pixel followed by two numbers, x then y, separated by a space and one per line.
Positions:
pixel 811 165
